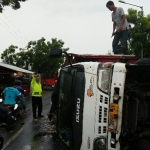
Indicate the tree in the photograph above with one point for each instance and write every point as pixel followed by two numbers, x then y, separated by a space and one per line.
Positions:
pixel 8 55
pixel 36 56
pixel 15 4
pixel 139 33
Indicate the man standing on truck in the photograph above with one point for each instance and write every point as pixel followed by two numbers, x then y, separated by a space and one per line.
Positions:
pixel 120 27
pixel 36 96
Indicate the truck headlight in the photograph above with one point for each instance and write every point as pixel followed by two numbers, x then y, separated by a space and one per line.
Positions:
pixel 100 143
pixel 104 80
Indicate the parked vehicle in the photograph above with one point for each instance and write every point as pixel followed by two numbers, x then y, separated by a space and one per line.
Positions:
pixel 11 109
pixel 104 106
pixel 48 83
pixel 8 114
pixel 10 73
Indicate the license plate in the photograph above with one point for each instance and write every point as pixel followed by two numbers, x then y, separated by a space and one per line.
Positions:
pixel 113 114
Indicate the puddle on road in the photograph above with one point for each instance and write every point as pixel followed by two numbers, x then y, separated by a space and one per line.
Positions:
pixel 27 147
pixel 46 141
pixel 46 138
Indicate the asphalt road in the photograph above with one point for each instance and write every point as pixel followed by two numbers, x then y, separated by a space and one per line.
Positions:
pixel 33 135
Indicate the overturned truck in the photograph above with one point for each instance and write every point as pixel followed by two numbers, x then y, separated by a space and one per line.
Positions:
pixel 104 106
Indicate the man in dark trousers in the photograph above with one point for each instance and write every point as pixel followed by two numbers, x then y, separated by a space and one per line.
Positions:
pixel 36 88
pixel 120 27
pixel 54 100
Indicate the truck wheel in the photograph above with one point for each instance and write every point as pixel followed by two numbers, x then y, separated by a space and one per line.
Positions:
pixel 143 61
pixel 1 142
pixel 142 144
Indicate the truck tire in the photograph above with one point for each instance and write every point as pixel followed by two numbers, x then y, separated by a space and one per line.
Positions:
pixel 1 142
pixel 143 144
pixel 143 61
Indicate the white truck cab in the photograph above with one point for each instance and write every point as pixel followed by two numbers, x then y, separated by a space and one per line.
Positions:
pixel 104 106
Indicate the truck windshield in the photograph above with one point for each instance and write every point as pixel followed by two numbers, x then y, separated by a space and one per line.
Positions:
pixel 69 85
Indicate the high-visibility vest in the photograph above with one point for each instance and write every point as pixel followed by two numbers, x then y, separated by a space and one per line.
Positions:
pixel 36 88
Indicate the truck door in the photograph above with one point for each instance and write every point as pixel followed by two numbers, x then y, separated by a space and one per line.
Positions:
pixel 70 106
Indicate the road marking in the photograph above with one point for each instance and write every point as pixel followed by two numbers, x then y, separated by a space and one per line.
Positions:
pixel 15 135
pixel 19 131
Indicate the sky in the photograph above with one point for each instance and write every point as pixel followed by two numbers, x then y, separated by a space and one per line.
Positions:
pixel 84 26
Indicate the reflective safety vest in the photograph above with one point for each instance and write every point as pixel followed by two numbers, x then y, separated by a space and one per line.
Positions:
pixel 36 88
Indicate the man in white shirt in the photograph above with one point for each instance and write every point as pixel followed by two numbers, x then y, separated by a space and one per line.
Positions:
pixel 120 27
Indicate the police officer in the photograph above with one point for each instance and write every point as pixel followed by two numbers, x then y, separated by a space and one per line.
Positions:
pixel 36 88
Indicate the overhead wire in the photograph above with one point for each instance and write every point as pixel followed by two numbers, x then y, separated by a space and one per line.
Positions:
pixel 15 34
pixel 9 28
pixel 15 28
pixel 11 33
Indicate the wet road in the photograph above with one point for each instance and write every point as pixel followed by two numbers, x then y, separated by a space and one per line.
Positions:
pixel 33 135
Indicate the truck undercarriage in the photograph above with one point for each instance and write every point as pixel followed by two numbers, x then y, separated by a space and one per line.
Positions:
pixel 136 109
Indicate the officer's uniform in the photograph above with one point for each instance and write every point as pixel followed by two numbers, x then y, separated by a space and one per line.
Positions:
pixel 36 97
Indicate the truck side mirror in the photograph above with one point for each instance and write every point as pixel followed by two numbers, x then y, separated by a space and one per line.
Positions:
pixel 55 52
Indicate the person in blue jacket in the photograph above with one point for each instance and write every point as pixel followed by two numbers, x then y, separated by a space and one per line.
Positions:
pixel 10 95
pixel 21 90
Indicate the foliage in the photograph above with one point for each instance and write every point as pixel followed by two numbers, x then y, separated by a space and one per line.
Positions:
pixel 109 52
pixel 9 55
pixel 35 57
pixel 15 4
pixel 139 33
